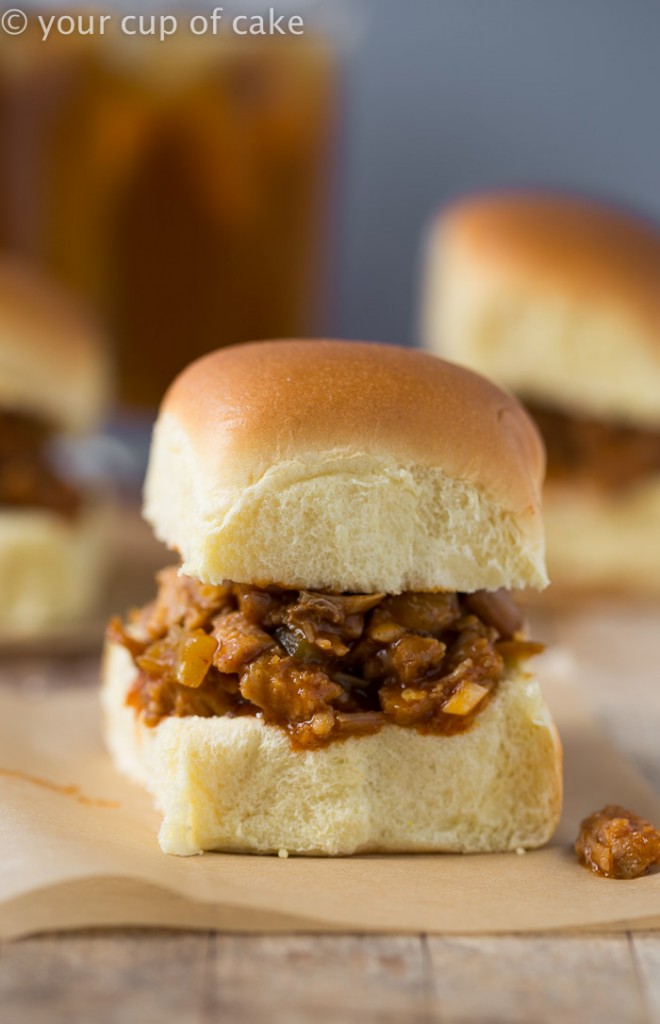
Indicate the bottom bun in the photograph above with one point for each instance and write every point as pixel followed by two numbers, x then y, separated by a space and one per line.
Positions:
pixel 236 784
pixel 50 568
pixel 604 542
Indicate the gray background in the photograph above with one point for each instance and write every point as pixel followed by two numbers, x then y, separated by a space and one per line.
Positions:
pixel 448 96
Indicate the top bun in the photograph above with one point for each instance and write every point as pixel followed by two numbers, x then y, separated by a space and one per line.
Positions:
pixel 553 296
pixel 52 362
pixel 346 466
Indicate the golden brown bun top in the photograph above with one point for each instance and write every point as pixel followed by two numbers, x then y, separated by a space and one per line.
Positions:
pixel 253 405
pixel 53 363
pixel 590 248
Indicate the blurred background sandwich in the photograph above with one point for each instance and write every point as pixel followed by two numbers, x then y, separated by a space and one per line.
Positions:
pixel 558 299
pixel 54 386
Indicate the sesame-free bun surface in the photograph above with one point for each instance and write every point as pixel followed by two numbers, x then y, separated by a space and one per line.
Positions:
pixel 51 568
pixel 346 466
pixel 604 542
pixel 236 784
pixel 53 364
pixel 556 297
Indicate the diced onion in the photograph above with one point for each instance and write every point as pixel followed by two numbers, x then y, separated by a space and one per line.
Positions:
pixel 194 658
pixel 465 698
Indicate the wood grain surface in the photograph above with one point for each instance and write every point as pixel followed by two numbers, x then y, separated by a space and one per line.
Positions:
pixel 115 978
pixel 126 976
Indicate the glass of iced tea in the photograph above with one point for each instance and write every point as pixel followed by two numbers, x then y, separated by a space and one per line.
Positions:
pixel 182 186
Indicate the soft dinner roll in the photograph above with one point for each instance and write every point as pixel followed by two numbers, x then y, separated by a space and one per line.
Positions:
pixel 235 783
pixel 50 568
pixel 556 298
pixel 604 544
pixel 311 681
pixel 53 363
pixel 346 466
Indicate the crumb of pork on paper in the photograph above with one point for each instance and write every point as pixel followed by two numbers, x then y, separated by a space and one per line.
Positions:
pixel 616 843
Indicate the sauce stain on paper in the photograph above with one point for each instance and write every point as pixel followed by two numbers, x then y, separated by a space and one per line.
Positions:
pixel 72 790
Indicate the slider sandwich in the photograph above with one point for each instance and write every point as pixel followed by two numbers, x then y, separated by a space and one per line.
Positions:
pixel 558 299
pixel 335 665
pixel 53 383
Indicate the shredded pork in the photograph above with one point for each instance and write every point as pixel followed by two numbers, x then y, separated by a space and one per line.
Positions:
pixel 611 456
pixel 27 480
pixel 322 666
pixel 616 843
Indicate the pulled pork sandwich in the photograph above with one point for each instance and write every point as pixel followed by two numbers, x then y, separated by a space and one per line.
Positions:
pixel 559 300
pixel 336 664
pixel 53 382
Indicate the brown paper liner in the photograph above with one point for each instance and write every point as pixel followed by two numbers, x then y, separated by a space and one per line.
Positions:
pixel 78 849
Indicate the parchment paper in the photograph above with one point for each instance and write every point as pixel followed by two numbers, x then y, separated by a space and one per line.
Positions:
pixel 78 848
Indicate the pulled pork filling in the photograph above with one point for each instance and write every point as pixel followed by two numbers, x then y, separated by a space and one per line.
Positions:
pixel 616 843
pixel 322 666
pixel 27 480
pixel 609 455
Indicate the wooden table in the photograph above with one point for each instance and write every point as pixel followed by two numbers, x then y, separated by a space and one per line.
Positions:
pixel 107 977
